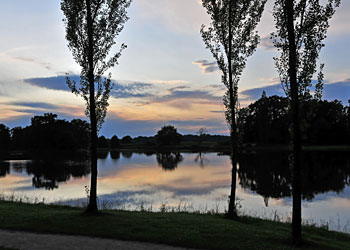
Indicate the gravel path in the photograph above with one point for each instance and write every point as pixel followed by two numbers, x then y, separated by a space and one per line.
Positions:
pixel 32 241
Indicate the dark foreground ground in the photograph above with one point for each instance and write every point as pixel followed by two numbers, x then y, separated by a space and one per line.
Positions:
pixel 176 229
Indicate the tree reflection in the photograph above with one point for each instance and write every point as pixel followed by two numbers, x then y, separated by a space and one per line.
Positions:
pixel 201 159
pixel 49 170
pixel 325 172
pixel 127 154
pixel 4 168
pixel 169 160
pixel 115 155
pixel 102 154
pixel 268 173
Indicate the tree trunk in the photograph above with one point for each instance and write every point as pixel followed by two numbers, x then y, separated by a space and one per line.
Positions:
pixel 92 207
pixel 296 140
pixel 232 213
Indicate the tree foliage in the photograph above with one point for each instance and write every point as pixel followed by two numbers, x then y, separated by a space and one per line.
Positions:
pixel 168 135
pixel 231 38
pixel 126 139
pixel 5 137
pixel 266 121
pixel 114 142
pixel 108 18
pixel 102 142
pixel 311 21
pixel 47 132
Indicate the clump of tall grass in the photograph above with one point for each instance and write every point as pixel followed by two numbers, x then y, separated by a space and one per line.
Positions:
pixel 21 198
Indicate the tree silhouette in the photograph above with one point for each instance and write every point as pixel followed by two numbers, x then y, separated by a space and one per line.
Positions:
pixel 265 121
pixel 114 142
pixel 168 135
pixel 231 39
pixel 91 28
pixel 202 132
pixel 126 139
pixel 301 28
pixel 5 137
pixel 102 142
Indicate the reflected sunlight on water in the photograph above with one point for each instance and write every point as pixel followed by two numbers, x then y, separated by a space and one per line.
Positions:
pixel 195 182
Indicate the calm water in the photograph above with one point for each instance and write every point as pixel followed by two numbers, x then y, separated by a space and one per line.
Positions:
pixel 192 181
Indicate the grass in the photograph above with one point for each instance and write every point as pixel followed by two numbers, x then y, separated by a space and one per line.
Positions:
pixel 178 229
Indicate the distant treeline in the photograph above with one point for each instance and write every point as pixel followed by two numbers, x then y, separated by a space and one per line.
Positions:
pixel 264 122
pixel 49 133
pixel 267 121
pixel 46 132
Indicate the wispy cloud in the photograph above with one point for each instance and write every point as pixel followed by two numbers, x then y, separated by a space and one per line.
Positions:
pixel 35 105
pixel 45 65
pixel 136 89
pixel 8 55
pixel 206 66
pixel 181 93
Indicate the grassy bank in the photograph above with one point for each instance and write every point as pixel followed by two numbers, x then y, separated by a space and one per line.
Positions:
pixel 178 229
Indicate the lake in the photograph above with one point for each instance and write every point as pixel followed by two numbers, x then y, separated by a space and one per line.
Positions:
pixel 188 182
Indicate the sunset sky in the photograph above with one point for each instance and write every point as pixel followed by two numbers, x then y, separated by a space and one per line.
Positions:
pixel 165 76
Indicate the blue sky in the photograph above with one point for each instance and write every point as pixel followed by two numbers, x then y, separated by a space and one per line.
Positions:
pixel 165 76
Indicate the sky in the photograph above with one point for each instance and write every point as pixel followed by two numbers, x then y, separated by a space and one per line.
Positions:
pixel 166 76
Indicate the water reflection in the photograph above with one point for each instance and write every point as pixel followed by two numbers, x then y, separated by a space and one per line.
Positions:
pixel 268 173
pixel 169 160
pixel 127 154
pixel 47 170
pixel 47 174
pixel 102 154
pixel 4 168
pixel 201 159
pixel 201 180
pixel 115 155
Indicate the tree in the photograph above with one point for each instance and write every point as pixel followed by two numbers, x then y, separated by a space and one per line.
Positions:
pixel 168 135
pixel 231 39
pixel 265 121
pixel 5 137
pixel 18 138
pixel 91 28
pixel 102 142
pixel 114 142
pixel 126 139
pixel 202 132
pixel 301 28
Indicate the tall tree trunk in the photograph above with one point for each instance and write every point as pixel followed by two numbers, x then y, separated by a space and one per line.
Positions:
pixel 296 140
pixel 232 213
pixel 92 207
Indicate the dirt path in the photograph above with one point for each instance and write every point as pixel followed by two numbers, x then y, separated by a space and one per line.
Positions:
pixel 31 241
